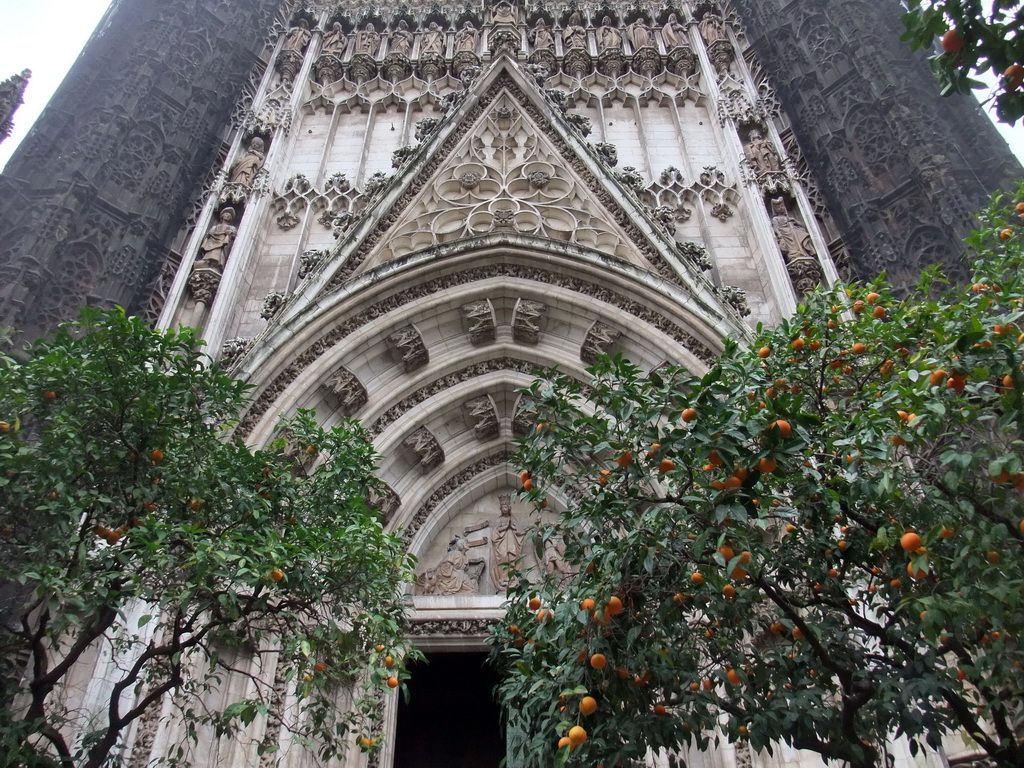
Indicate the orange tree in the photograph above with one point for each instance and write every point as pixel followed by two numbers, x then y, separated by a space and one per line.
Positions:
pixel 819 541
pixel 131 525
pixel 974 37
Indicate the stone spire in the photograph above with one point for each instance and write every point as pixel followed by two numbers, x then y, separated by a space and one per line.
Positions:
pixel 12 92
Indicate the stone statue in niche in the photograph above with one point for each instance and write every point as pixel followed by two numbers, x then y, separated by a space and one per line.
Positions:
pixel 465 38
pixel 335 40
pixel 641 35
pixel 506 542
pixel 456 574
pixel 248 165
pixel 712 28
pixel 541 36
pixel 608 37
pixel 504 14
pixel 401 39
pixel 553 559
pixel 433 40
pixel 673 32
pixel 367 40
pixel 219 239
pixel 794 241
pixel 297 38
pixel 761 154
pixel 575 34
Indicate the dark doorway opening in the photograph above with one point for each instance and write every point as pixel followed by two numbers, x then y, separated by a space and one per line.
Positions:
pixel 452 719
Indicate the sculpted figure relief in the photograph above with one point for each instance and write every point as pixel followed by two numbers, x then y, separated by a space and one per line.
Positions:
pixel 506 542
pixel 335 40
pixel 297 37
pixel 504 14
pixel 712 28
pixel 575 34
pixel 465 38
pixel 541 36
pixel 673 32
pixel 248 165
pixel 433 40
pixel 219 238
pixel 401 39
pixel 793 239
pixel 640 34
pixel 455 574
pixel 553 559
pixel 608 37
pixel 367 40
pixel 761 154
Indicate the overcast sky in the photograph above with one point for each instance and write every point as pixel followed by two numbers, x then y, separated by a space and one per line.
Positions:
pixel 47 35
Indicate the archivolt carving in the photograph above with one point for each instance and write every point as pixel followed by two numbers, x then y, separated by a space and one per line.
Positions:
pixel 408 343
pixel 445 383
pixel 426 447
pixel 458 627
pixel 642 312
pixel 385 500
pixel 450 486
pixel 479 317
pixel 526 321
pixel 346 387
pixel 598 342
pixel 482 414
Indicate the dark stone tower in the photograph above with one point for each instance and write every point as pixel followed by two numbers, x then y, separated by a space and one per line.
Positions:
pixel 902 170
pixel 91 201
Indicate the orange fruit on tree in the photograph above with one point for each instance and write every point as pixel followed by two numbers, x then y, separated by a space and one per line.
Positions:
pixel 797 633
pixel 666 465
pixel 588 604
pixel 992 556
pixel 764 352
pixel 577 735
pixel 784 427
pixel 588 705
pixel 878 313
pixel 911 542
pixel 156 455
pixel 276 575
pixel 688 414
pixel 655 447
pixel 49 395
pixel 918 573
pixel 392 682
pixel 614 606
pixel 733 677
pixel 598 661
pixel 534 603
pixel 948 533
pixel 729 590
pixel 603 476
pixel 767 464
pixel 936 377
pixel 527 484
pixel 871 298
pixel 389 661
pixel 601 619
pixel 727 552
pixel 625 459
pixel 659 709
pixel 697 578
pixel 953 41
pixel 564 742
pixel 859 348
pixel 320 667
pixel 1006 234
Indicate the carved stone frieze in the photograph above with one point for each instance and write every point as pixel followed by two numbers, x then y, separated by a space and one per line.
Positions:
pixel 608 153
pixel 696 254
pixel 735 298
pixel 408 343
pixel 396 67
pixel 526 321
pixel 451 627
pixel 458 573
pixel 401 155
pixel 482 414
pixel 347 389
pixel 598 342
pixel 328 69
pixel 630 177
pixel 480 321
pixel 426 127
pixel 426 447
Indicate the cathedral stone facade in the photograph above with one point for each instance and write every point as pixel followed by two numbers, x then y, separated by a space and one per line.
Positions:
pixel 413 208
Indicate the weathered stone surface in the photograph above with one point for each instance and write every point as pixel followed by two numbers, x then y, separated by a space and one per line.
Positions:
pixel 92 200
